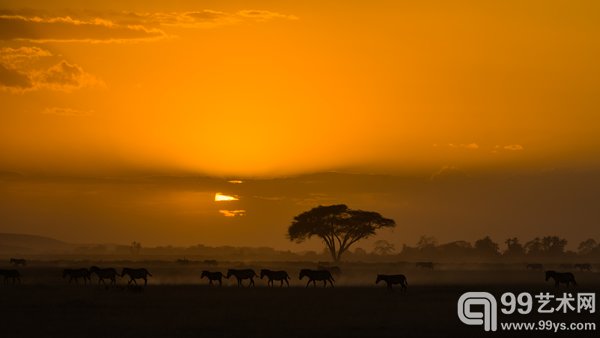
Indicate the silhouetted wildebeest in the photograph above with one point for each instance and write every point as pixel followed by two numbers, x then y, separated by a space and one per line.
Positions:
pixel 241 275
pixel 584 266
pixel 281 276
pixel 11 274
pixel 18 261
pixel 317 275
pixel 106 273
pixel 75 274
pixel 393 279
pixel 184 261
pixel 560 277
pixel 424 265
pixel 218 276
pixel 136 274
pixel 534 266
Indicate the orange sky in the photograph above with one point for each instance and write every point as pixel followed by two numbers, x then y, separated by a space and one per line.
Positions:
pixel 275 88
pixel 270 88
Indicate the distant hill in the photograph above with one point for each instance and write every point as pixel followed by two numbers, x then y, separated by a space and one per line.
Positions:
pixel 9 175
pixel 41 247
pixel 29 244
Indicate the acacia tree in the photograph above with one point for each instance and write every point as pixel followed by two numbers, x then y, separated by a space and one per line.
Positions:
pixel 338 226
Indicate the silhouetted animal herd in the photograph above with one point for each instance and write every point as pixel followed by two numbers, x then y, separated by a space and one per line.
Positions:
pixel 18 261
pixel 272 276
pixel 12 274
pixel 75 275
pixel 106 274
pixel 580 267
pixel 323 274
pixel 561 277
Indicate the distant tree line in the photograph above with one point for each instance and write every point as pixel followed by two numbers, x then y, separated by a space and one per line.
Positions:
pixel 539 248
pixel 427 248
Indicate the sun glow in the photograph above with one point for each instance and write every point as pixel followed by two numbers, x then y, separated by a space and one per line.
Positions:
pixel 233 213
pixel 219 197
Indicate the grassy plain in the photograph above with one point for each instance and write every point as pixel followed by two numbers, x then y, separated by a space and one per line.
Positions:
pixel 177 303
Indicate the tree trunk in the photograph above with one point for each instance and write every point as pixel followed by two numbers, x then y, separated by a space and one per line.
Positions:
pixel 333 253
pixel 338 258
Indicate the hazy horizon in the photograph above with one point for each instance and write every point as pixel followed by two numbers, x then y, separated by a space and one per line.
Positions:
pixel 182 211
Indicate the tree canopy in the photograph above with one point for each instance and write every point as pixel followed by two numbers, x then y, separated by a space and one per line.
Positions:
pixel 338 226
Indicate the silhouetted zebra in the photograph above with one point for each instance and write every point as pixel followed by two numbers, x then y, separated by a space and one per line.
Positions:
pixel 393 279
pixel 281 276
pixel 218 276
pixel 18 261
pixel 584 267
pixel 75 274
pixel 136 274
pixel 106 273
pixel 335 270
pixel 317 275
pixel 534 266
pixel 11 274
pixel 241 275
pixel 561 277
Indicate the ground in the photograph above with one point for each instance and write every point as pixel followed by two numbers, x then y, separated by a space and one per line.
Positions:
pixel 44 305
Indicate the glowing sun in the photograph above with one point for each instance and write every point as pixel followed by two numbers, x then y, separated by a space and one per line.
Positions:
pixel 221 197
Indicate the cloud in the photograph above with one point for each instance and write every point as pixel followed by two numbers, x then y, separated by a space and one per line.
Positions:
pixel 194 19
pixel 67 112
pixel 509 147
pixel 269 198
pixel 65 77
pixel 448 172
pixel 233 213
pixel 20 72
pixel 20 69
pixel 262 16
pixel 13 80
pixel 68 29
pixel 121 27
pixel 206 18
pixel 475 146
pixel 513 147
pixel 21 55
pixel 470 146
